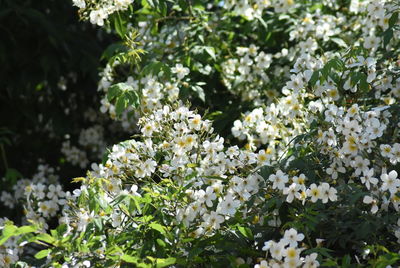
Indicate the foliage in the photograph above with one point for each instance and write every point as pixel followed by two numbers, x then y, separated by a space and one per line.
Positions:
pixel 265 135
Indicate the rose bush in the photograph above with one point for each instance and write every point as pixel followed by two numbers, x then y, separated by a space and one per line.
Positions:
pixel 265 134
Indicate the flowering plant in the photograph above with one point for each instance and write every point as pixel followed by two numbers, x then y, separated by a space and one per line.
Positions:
pixel 308 175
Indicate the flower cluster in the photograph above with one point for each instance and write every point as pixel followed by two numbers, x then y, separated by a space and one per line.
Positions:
pixel 254 8
pixel 286 252
pixel 99 10
pixel 247 75
pixel 42 196
pixel 177 146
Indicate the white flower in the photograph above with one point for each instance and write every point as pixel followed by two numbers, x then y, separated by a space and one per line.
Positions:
pixel 369 200
pixel 292 191
pixel 386 150
pixel 262 264
pixel 368 178
pixel 148 167
pixel 7 199
pixel 291 238
pixel 360 164
pixel 228 206
pixel 98 17
pixel 209 196
pixel 264 157
pixel 314 192
pixel 277 250
pixel 327 192
pixel 116 219
pixel 267 245
pixel 180 71
pixel 38 191
pixel 279 179
pixel 83 220
pixel 390 182
pixel 213 219
pixel 79 3
pixel 148 129
pixel 311 261
pixel 195 122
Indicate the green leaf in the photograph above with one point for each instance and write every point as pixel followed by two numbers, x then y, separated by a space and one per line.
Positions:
pixel 120 105
pixel 165 262
pixel 161 243
pixel 136 202
pixel 330 263
pixel 266 171
pixel 200 92
pixel 98 223
pixel 45 238
pixel 387 36
pixel 314 78
pixel 246 232
pixel 120 25
pixel 113 92
pixel 393 19
pixel 346 260
pixel 133 98
pixel 130 259
pixel 117 90
pixel 210 51
pixel 43 253
pixel 262 21
pixel 158 227
pixel 27 229
pixel 12 175
pixel 183 4
pixel 364 86
pixel 163 8
pixel 213 115
pixel 338 64
pixel 339 42
pixel 8 231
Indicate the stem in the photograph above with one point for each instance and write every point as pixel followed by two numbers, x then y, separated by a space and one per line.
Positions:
pixel 3 156
pixel 174 18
